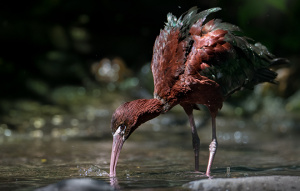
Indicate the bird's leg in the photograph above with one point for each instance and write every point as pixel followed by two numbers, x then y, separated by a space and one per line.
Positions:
pixel 196 141
pixel 195 138
pixel 213 146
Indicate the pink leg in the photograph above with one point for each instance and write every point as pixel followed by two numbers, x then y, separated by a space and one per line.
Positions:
pixel 212 147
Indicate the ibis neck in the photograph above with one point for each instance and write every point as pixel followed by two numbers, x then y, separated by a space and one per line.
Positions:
pixel 166 105
pixel 149 109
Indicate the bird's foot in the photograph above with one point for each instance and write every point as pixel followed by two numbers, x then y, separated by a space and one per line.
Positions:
pixel 202 174
pixel 209 176
pixel 205 176
pixel 197 172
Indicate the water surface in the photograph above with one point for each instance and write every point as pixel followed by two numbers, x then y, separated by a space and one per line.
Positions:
pixel 159 155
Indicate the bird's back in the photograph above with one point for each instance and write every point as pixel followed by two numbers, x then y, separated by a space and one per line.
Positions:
pixel 188 52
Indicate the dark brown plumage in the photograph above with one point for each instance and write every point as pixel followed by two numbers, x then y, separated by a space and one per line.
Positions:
pixel 195 63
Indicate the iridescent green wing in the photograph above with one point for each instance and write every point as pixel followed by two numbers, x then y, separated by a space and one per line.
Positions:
pixel 244 66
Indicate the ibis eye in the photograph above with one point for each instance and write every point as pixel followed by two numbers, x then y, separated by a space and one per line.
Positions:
pixel 122 129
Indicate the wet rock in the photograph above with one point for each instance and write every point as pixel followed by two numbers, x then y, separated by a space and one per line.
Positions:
pixel 80 184
pixel 249 183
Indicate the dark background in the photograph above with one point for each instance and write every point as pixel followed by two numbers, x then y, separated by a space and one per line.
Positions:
pixel 47 44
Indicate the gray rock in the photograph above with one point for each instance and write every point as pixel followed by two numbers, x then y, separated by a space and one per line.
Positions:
pixel 274 183
pixel 80 184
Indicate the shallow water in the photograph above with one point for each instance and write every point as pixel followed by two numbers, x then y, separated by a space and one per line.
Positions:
pixel 159 155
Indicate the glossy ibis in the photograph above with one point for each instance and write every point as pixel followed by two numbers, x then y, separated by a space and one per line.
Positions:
pixel 195 63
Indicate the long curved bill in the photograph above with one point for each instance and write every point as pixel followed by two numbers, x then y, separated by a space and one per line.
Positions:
pixel 115 152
